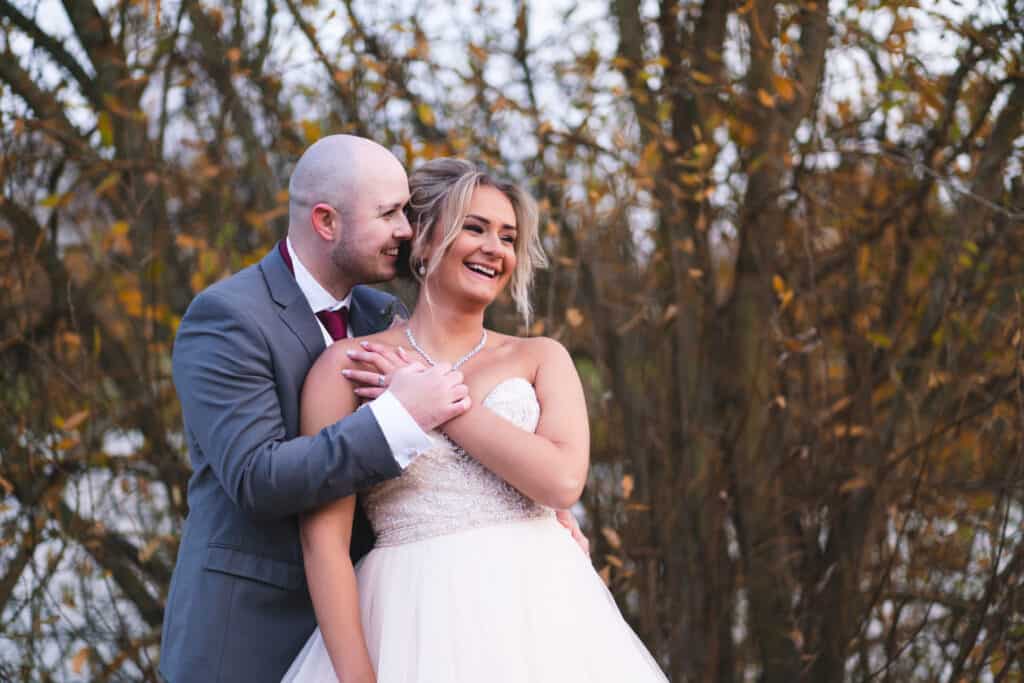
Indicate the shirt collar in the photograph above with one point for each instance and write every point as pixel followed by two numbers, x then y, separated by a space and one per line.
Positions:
pixel 319 298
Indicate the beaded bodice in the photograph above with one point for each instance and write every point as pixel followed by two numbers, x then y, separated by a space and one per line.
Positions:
pixel 445 490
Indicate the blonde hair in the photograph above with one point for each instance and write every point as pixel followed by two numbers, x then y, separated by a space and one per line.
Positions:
pixel 440 193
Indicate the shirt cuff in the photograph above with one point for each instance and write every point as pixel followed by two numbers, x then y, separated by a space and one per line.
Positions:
pixel 404 436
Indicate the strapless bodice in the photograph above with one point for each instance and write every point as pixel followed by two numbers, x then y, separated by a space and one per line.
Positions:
pixel 445 490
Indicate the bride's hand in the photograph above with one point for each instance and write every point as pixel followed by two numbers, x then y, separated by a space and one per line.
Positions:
pixel 568 520
pixel 383 360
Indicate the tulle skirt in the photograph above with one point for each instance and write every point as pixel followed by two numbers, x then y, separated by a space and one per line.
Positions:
pixel 511 603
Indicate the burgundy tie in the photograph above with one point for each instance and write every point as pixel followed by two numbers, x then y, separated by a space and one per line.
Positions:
pixel 334 321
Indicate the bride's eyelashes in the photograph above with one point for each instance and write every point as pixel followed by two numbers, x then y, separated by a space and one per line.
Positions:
pixel 507 238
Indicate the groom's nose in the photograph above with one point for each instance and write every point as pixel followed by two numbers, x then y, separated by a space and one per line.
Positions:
pixel 403 231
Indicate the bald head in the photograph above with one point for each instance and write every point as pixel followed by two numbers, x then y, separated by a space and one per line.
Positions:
pixel 345 212
pixel 334 170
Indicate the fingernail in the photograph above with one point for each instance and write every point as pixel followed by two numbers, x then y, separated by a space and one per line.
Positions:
pixel 347 372
pixel 350 353
pixel 364 344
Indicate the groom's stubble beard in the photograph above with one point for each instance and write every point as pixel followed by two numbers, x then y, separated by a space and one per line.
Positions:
pixel 357 268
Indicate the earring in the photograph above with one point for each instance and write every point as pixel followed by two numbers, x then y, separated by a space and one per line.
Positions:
pixel 421 269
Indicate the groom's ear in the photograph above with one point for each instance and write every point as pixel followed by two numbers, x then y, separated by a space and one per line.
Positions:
pixel 326 221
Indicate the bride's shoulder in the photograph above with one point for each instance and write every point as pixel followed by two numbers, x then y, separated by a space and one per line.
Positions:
pixel 540 350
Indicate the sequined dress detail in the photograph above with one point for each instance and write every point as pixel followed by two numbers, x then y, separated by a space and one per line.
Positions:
pixel 445 490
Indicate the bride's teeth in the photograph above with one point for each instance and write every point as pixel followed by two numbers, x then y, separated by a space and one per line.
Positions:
pixel 483 270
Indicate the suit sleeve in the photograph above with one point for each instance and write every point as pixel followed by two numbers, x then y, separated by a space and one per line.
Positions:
pixel 224 375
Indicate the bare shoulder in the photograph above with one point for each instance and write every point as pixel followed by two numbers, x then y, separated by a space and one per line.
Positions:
pixel 546 350
pixel 335 357
pixel 536 353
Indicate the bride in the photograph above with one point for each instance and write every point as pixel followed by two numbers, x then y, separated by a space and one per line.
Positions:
pixel 472 578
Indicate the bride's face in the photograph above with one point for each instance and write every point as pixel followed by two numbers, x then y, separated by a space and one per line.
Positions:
pixel 481 260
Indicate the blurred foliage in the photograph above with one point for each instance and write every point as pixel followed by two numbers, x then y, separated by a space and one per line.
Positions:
pixel 787 255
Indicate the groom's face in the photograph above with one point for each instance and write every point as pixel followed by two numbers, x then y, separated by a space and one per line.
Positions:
pixel 373 224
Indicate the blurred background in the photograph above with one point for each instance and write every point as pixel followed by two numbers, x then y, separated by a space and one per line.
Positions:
pixel 787 244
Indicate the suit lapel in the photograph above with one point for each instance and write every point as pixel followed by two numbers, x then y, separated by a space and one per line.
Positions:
pixel 295 311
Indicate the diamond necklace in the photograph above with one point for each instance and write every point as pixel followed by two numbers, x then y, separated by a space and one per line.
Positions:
pixel 430 361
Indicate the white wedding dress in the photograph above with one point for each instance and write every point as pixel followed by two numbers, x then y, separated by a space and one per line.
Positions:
pixel 472 582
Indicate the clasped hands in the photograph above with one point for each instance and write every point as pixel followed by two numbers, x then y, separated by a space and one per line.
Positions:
pixel 432 395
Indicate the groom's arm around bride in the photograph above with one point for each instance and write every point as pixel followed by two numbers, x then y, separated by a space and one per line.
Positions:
pixel 238 607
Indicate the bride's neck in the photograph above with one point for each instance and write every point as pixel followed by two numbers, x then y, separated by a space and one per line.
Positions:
pixel 444 333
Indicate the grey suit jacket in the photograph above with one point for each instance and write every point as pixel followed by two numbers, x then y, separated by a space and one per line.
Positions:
pixel 239 608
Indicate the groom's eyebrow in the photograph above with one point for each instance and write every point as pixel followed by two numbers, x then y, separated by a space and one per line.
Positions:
pixel 504 226
pixel 384 208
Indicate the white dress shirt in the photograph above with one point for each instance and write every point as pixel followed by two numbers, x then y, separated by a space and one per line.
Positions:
pixel 404 436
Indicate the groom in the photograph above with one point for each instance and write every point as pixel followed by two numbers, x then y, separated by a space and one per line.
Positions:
pixel 238 608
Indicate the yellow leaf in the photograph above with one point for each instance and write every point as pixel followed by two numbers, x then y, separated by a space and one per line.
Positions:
pixel 574 317
pixel 537 328
pixel 879 340
pixel 234 54
pixel 79 660
pixel 778 284
pixel 854 484
pixel 146 553
pixel 186 241
pixel 425 113
pixel 765 98
pixel 66 443
pixel 108 183
pixel 311 129
pixel 606 575
pixel 784 87
pixel 670 313
pixel 613 561
pixel 7 486
pixel 75 420
pixel 72 340
pixel 701 77
pixel 696 273
pixel 55 200
pixel 685 245
pixel 612 537
pixel 119 228
pixel 851 431
pixel 627 486
pixel 106 127
pixel 131 299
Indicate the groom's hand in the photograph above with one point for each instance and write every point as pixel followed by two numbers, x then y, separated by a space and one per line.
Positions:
pixel 382 360
pixel 433 395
